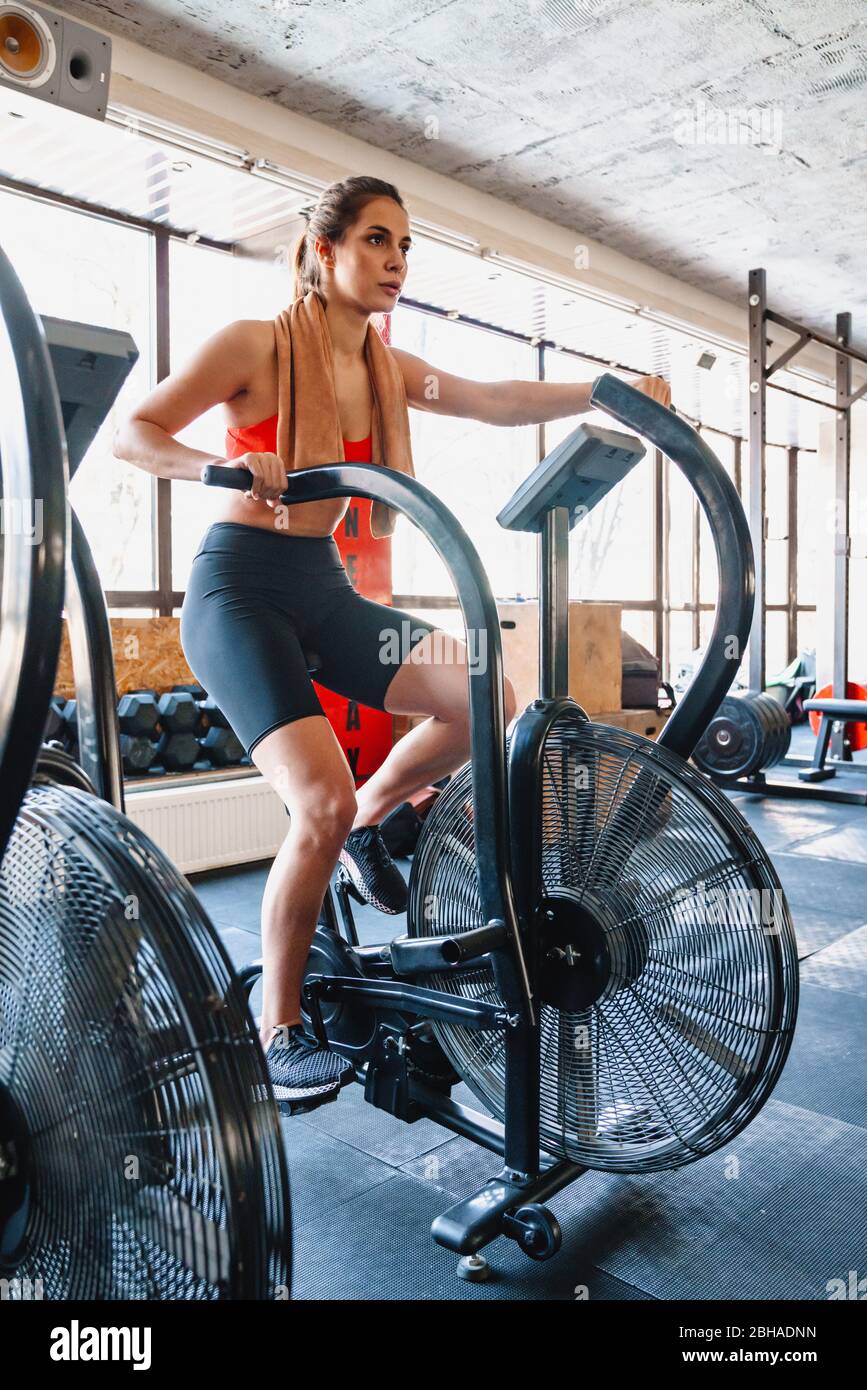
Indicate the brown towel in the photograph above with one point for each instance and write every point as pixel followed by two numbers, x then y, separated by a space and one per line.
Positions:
pixel 308 425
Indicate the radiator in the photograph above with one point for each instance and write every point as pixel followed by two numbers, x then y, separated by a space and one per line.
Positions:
pixel 209 824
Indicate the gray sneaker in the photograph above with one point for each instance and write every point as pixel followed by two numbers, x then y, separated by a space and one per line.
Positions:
pixel 372 871
pixel 303 1074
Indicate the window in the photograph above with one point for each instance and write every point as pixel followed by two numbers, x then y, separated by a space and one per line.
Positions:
pixel 705 624
pixel 776 651
pixel 85 267
pixel 77 266
pixel 857 637
pixel 209 289
pixel 815 523
pixel 611 551
pixel 723 447
pixel 777 513
pixel 638 622
pixel 681 648
pixel 474 468
pixel 806 632
pixel 680 500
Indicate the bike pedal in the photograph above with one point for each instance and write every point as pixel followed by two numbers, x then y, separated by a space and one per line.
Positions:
pixel 303 1107
pixel 345 881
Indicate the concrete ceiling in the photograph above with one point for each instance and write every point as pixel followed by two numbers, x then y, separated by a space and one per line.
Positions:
pixel 703 137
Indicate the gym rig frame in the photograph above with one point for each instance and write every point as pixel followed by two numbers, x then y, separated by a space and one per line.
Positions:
pixel 832 753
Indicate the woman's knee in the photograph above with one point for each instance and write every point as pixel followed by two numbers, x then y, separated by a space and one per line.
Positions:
pixel 324 820
pixel 453 705
pixel 510 699
pixel 307 768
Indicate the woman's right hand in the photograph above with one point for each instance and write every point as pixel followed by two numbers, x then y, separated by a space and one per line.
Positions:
pixel 269 476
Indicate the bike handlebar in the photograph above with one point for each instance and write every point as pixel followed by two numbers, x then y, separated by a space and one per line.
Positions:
pixel 734 551
pixel 33 480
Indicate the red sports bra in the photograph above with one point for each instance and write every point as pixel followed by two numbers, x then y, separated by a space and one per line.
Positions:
pixel 262 439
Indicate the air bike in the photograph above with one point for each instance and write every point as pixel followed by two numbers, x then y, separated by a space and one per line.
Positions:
pixel 597 943
pixel 141 1156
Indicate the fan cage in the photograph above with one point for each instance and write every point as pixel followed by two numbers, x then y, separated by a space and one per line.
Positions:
pixel 685 1042
pixel 129 1063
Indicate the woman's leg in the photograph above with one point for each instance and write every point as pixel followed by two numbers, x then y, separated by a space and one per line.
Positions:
pixel 307 768
pixel 248 597
pixel 433 679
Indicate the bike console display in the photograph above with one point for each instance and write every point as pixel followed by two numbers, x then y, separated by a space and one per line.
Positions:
pixel 576 475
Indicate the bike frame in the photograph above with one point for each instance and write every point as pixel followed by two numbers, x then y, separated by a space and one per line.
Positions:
pixel 501 838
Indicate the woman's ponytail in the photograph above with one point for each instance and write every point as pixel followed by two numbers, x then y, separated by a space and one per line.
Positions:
pixel 303 280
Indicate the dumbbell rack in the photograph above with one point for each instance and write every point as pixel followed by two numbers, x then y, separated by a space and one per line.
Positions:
pixel 93 668
pixel 99 747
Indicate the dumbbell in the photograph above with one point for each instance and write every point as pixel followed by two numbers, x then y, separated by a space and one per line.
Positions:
pixel 137 713
pixel 212 713
pixel 198 692
pixel 70 726
pixel 54 723
pixel 179 713
pixel 177 752
pixel 222 745
pixel 137 752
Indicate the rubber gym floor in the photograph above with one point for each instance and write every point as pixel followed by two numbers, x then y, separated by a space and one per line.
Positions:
pixel 365 1186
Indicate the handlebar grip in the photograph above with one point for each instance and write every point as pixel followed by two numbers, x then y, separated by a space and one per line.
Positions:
pixel 217 475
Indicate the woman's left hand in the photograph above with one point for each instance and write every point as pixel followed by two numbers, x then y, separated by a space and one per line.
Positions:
pixel 655 387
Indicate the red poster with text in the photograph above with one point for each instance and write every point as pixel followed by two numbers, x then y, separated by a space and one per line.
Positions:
pixel 364 734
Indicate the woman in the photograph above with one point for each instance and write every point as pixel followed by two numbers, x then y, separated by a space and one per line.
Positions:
pixel 268 583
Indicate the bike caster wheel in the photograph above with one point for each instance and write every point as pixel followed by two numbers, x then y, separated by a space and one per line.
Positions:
pixel 474 1268
pixel 536 1230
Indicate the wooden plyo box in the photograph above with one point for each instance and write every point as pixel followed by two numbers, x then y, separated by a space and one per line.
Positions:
pixel 595 661
pixel 647 722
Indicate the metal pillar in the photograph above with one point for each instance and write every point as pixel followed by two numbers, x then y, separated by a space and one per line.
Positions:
pixel 758 439
pixel 842 539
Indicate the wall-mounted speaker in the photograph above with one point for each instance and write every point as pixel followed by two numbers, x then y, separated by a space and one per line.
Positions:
pixel 54 59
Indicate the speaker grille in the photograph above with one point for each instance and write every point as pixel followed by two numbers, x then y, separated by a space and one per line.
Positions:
pixel 27 51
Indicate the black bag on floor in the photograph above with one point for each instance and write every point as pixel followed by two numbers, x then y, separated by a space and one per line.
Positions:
pixel 641 675
pixel 400 830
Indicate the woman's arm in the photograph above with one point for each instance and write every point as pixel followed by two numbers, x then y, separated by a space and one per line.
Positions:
pixel 218 370
pixel 503 402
